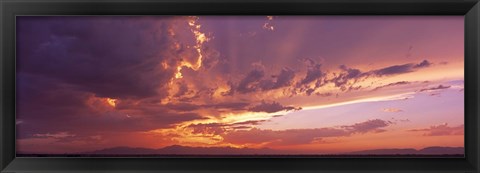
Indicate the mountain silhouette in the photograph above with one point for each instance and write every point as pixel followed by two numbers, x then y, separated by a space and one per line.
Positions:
pixel 185 150
pixel 410 151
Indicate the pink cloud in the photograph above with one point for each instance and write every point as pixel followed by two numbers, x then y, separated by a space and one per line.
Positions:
pixel 302 136
pixel 441 130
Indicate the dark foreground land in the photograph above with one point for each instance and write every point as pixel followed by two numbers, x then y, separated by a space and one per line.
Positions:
pixel 177 151
pixel 249 156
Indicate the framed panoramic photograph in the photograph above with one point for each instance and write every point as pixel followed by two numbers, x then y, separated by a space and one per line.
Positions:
pixel 240 86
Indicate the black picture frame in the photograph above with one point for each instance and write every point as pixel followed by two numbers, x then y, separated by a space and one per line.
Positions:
pixel 11 8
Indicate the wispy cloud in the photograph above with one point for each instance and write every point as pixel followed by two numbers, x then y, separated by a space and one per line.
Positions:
pixel 392 84
pixel 392 110
pixel 400 69
pixel 439 87
pixel 271 107
pixel 441 130
pixel 303 136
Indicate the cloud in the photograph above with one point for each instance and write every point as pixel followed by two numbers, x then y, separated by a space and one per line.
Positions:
pixel 250 122
pixel 313 73
pixel 271 107
pixel 439 87
pixel 255 81
pixel 424 63
pixel 284 137
pixel 247 84
pixel 441 130
pixel 324 94
pixel 301 136
pixel 233 106
pixel 88 54
pixel 70 66
pixel 348 77
pixel 208 129
pixel 219 128
pixel 392 110
pixel 396 69
pixel 283 79
pixel 230 105
pixel 348 74
pixel 392 84
pixel 395 121
pixel 55 135
pixel 52 102
pixel 182 90
pixel 400 69
pixel 368 126
pixel 183 106
pixel 68 69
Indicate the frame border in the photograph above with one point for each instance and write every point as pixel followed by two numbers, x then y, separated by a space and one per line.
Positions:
pixel 12 8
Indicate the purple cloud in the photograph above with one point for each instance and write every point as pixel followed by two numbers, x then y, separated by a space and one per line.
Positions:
pixel 439 87
pixel 246 85
pixel 392 84
pixel 400 69
pixel 367 126
pixel 302 136
pixel 87 54
pixel 271 107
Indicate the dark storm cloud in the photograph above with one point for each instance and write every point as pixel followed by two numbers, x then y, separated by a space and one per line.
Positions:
pixel 271 107
pixel 110 57
pixel 64 63
pixel 47 106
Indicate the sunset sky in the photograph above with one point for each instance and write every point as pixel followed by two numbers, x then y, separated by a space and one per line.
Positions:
pixel 297 84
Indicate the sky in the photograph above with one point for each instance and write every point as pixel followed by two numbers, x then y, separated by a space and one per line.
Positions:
pixel 297 84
